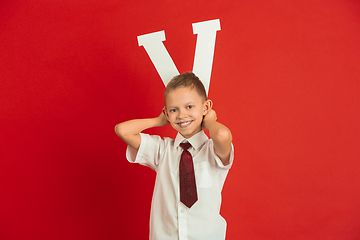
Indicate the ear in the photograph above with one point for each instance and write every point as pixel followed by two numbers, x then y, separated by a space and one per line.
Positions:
pixel 165 112
pixel 207 106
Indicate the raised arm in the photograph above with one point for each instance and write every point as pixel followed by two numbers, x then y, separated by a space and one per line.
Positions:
pixel 129 131
pixel 220 135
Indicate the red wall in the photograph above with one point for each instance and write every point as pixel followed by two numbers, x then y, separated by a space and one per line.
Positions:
pixel 285 80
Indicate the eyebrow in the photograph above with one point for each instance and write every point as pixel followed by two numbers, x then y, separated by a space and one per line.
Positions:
pixel 186 104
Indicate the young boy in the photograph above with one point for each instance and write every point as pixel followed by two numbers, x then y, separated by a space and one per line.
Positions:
pixel 173 215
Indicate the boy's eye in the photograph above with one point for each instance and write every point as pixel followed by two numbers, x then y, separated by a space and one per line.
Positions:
pixel 172 110
pixel 190 107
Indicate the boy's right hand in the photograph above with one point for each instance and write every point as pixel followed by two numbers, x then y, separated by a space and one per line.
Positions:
pixel 129 131
pixel 162 119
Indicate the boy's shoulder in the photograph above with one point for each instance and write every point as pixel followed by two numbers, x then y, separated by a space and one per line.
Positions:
pixel 156 138
pixel 197 141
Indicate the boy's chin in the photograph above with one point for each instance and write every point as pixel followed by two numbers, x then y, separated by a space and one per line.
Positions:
pixel 186 134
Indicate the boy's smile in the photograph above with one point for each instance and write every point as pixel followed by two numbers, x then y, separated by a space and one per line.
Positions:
pixel 185 124
pixel 185 109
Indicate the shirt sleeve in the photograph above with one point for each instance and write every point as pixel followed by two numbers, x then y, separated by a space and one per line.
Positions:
pixel 148 153
pixel 218 160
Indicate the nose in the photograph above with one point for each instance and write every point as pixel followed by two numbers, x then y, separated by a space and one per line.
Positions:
pixel 182 114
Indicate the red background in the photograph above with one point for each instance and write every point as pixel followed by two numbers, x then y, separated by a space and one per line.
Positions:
pixel 285 80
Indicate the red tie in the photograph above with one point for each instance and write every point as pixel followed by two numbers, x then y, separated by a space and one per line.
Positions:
pixel 188 194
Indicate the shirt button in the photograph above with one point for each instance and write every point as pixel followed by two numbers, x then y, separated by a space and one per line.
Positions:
pixel 182 210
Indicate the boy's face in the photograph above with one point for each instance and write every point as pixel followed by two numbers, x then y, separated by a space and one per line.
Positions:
pixel 185 109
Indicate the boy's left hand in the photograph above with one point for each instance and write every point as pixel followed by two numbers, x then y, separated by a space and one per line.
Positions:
pixel 209 118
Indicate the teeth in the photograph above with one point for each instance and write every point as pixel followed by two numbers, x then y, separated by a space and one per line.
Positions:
pixel 184 123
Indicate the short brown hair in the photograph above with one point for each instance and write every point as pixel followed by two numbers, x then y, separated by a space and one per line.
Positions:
pixel 189 80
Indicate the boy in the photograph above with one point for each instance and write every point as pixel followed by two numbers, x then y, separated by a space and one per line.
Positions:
pixel 174 214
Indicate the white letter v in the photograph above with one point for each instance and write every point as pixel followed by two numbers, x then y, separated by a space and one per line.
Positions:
pixel 204 52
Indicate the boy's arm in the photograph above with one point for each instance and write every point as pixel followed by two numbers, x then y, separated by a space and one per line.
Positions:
pixel 220 135
pixel 129 131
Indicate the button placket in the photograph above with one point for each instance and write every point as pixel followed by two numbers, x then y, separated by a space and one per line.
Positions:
pixel 182 221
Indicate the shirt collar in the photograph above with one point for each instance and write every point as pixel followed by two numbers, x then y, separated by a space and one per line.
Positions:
pixel 196 141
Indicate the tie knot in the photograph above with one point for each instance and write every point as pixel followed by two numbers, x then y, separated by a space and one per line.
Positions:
pixel 185 146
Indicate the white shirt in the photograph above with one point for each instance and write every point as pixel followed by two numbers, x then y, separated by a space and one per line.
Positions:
pixel 169 218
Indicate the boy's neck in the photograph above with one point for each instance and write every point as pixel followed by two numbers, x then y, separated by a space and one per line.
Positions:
pixel 192 134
